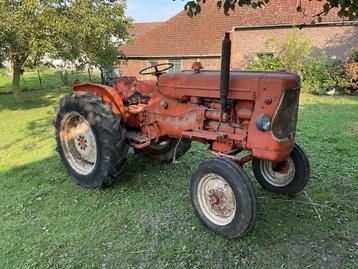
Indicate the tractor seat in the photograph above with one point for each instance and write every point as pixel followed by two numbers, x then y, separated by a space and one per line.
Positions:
pixel 133 90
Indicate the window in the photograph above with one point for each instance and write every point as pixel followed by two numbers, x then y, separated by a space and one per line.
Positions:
pixel 152 62
pixel 177 62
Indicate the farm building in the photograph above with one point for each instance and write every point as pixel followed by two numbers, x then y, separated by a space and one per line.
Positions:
pixel 182 40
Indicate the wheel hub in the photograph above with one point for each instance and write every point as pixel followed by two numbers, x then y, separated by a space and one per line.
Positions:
pixel 216 199
pixel 278 174
pixel 81 142
pixel 85 144
pixel 218 202
pixel 78 143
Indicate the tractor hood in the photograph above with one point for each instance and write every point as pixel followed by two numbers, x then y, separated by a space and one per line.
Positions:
pixel 243 84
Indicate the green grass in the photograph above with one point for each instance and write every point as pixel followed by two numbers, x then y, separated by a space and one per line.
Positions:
pixel 146 219
pixel 50 80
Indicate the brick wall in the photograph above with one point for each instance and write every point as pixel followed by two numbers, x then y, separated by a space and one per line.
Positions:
pixel 131 68
pixel 208 63
pixel 338 41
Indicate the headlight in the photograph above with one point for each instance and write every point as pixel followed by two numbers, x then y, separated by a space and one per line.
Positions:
pixel 263 122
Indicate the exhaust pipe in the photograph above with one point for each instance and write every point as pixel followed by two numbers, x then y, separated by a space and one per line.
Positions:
pixel 225 71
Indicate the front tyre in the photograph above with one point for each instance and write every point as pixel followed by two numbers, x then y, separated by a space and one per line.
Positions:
pixel 287 177
pixel 223 197
pixel 90 139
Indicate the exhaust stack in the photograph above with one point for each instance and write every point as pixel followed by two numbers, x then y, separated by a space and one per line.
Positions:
pixel 225 71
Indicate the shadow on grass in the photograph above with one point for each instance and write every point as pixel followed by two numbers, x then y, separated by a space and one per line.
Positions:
pixel 50 80
pixel 37 130
pixel 138 173
pixel 32 100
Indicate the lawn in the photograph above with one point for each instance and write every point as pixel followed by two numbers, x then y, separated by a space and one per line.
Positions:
pixel 146 219
pixel 51 79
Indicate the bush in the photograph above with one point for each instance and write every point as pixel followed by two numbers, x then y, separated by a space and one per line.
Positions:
pixel 294 54
pixel 338 76
pixel 315 76
pixel 352 73
pixel 265 63
pixel 353 58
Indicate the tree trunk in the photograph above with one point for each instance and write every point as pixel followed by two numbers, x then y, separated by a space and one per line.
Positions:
pixel 16 81
pixel 40 79
pixel 103 80
pixel 65 79
pixel 61 76
pixel 89 74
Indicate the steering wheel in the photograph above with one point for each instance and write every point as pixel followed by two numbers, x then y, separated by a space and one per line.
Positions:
pixel 156 71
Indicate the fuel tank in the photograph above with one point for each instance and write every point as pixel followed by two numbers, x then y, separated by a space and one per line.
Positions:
pixel 244 85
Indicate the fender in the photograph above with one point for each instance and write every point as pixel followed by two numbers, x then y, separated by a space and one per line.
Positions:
pixel 109 95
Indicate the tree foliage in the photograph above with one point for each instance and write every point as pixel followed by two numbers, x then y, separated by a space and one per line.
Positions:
pixel 265 63
pixel 345 8
pixel 79 32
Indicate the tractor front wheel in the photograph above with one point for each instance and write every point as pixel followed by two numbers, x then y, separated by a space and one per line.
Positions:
pixel 287 177
pixel 223 197
pixel 166 148
pixel 90 139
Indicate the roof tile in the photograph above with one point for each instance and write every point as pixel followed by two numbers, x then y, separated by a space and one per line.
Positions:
pixel 202 35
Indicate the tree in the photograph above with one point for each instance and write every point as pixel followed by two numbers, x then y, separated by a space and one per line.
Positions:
pixel 79 32
pixel 345 8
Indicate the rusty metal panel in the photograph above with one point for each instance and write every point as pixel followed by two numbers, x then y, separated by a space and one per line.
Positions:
pixel 285 119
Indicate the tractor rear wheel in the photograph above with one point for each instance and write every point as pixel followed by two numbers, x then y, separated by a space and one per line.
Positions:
pixel 287 177
pixel 223 197
pixel 166 148
pixel 90 139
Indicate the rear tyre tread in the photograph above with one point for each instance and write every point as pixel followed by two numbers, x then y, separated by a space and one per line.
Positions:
pixel 110 137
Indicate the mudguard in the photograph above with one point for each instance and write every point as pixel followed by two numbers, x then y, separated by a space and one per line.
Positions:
pixel 109 94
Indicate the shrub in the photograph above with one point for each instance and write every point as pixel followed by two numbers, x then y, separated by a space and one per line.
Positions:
pixel 295 54
pixel 265 63
pixel 338 76
pixel 353 58
pixel 314 76
pixel 352 74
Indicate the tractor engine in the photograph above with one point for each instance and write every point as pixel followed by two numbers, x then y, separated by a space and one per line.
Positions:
pixel 260 113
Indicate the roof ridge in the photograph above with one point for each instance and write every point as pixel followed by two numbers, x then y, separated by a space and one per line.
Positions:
pixel 151 22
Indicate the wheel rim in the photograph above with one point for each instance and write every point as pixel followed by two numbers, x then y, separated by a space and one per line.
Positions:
pixel 78 143
pixel 216 199
pixel 278 174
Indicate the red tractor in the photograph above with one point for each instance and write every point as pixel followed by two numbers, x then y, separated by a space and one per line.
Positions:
pixel 241 116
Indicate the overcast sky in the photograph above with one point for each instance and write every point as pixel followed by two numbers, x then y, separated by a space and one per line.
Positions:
pixel 153 10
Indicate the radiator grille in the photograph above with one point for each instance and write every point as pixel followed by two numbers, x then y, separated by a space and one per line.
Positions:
pixel 285 120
